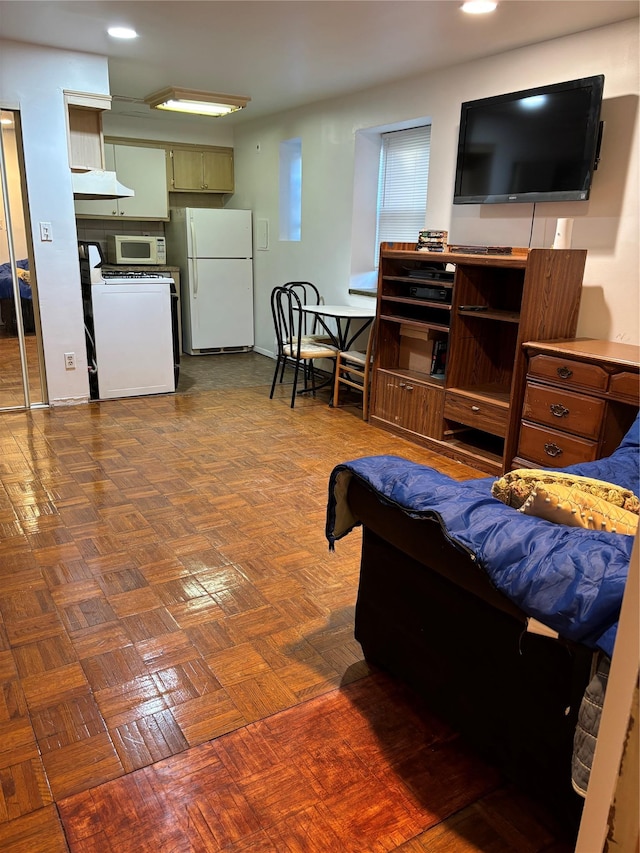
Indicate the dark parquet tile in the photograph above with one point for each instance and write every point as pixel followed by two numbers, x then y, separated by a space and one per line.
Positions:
pixel 172 625
pixel 303 773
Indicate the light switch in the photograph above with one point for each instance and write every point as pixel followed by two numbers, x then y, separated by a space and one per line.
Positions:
pixel 46 235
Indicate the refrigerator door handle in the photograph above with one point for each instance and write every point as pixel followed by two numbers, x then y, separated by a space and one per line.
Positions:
pixel 195 255
pixel 194 277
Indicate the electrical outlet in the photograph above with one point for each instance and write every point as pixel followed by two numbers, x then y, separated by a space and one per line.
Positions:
pixel 70 360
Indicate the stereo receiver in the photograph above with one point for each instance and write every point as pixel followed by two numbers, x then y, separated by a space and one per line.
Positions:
pixel 433 294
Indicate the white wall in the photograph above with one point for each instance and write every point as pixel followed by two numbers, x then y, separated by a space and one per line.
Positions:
pixel 607 225
pixel 32 80
pixel 166 129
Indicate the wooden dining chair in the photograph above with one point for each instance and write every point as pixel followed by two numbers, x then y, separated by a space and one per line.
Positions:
pixel 353 368
pixel 292 349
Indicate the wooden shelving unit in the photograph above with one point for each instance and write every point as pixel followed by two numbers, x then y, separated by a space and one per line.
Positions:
pixel 493 305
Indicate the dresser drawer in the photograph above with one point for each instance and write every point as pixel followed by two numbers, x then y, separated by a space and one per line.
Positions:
pixel 552 449
pixel 479 414
pixel 625 385
pixel 564 410
pixel 568 373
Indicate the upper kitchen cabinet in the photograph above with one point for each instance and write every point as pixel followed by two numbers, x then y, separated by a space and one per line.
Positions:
pixel 84 130
pixel 141 167
pixel 200 169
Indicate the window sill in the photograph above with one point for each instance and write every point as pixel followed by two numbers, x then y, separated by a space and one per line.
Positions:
pixel 364 291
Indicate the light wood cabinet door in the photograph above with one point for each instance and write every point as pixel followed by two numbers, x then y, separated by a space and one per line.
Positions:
pixel 196 170
pixel 187 170
pixel 217 168
pixel 85 139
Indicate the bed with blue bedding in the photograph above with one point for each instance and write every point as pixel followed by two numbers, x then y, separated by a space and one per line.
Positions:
pixel 455 586
pixel 7 306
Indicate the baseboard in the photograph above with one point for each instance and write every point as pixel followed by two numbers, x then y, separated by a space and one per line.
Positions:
pixel 266 352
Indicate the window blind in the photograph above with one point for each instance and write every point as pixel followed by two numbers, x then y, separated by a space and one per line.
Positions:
pixel 402 185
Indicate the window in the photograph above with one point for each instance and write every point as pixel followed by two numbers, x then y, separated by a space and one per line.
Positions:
pixel 402 185
pixel 290 189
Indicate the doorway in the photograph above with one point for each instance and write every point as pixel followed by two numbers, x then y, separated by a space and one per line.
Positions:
pixel 22 375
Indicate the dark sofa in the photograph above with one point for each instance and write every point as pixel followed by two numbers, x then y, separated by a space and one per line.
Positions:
pixel 445 603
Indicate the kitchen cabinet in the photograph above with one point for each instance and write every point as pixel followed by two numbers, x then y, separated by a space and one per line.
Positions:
pixel 206 170
pixel 450 369
pixel 84 130
pixel 581 397
pixel 141 168
pixel 86 146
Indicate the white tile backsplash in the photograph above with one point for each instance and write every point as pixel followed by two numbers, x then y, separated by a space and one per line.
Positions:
pixel 97 230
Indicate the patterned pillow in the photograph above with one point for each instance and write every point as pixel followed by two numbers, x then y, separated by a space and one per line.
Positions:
pixel 515 487
pixel 571 506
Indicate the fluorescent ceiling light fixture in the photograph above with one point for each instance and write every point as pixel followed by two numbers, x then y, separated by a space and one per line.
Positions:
pixel 122 33
pixel 479 7
pixel 198 103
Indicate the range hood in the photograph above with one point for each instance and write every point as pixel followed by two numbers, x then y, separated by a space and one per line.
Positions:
pixel 98 184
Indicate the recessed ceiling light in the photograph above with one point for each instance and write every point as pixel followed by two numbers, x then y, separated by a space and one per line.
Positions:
pixel 479 7
pixel 122 33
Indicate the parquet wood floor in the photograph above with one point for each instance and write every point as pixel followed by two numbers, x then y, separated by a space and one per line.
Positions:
pixel 170 615
pixel 11 390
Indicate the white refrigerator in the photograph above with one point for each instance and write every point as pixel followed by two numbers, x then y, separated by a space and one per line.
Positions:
pixel 213 249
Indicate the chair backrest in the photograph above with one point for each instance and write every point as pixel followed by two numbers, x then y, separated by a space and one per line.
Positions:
pixel 309 295
pixel 308 292
pixel 288 319
pixel 371 342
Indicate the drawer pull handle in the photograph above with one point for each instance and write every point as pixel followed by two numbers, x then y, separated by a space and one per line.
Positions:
pixel 475 408
pixel 552 449
pixel 558 410
pixel 402 384
pixel 565 372
pixel 409 387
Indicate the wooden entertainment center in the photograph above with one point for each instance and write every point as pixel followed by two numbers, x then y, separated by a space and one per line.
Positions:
pixel 493 305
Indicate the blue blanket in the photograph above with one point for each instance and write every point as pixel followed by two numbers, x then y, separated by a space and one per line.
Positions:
pixel 569 578
pixel 6 283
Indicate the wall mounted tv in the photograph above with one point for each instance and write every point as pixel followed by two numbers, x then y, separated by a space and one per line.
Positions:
pixel 536 145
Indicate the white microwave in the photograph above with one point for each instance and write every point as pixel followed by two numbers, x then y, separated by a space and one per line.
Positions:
pixel 133 250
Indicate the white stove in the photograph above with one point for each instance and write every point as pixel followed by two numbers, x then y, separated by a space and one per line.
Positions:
pixel 134 333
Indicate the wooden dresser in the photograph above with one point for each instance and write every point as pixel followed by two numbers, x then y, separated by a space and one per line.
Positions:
pixel 581 397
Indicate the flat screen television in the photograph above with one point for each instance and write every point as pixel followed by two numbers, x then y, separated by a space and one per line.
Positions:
pixel 535 145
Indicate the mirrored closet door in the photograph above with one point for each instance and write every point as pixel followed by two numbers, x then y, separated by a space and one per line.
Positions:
pixel 21 363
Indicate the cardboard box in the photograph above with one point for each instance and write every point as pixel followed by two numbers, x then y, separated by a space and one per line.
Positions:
pixel 416 349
